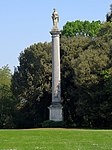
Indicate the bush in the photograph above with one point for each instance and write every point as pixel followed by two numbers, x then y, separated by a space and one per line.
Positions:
pixel 53 124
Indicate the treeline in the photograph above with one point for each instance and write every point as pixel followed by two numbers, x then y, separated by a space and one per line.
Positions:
pixel 86 80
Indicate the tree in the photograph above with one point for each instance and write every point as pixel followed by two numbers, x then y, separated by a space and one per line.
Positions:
pixel 71 47
pixel 83 28
pixel 31 84
pixel 109 15
pixel 6 99
pixel 86 102
pixel 105 33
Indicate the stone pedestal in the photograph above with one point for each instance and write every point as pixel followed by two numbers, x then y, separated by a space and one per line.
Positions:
pixel 55 112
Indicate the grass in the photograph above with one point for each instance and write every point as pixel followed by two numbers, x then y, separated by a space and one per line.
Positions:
pixel 55 139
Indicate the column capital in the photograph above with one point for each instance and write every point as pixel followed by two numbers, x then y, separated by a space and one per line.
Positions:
pixel 55 32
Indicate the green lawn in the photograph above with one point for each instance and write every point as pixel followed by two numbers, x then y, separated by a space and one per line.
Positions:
pixel 55 139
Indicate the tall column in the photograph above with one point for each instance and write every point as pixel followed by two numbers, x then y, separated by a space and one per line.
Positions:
pixel 56 108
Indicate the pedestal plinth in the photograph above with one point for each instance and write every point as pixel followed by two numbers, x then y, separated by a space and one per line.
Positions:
pixel 55 112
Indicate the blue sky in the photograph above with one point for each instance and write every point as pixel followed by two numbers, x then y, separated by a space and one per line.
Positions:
pixel 25 22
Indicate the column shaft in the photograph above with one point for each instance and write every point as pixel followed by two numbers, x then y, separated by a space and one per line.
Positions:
pixel 56 98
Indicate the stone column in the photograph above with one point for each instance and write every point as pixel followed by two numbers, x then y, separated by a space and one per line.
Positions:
pixel 56 108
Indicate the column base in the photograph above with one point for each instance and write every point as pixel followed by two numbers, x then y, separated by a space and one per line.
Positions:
pixel 55 112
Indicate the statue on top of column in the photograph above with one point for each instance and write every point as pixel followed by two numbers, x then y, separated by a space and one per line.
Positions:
pixel 55 18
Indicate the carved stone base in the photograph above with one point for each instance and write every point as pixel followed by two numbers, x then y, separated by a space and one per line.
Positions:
pixel 55 112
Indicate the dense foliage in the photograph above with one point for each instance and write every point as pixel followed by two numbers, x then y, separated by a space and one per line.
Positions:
pixel 31 85
pixel 83 28
pixel 86 80
pixel 7 100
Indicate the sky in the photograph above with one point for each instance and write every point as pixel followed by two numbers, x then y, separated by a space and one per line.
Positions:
pixel 25 22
